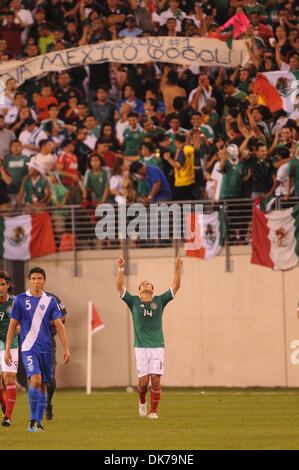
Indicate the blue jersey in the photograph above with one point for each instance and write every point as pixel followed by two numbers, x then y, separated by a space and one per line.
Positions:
pixel 34 315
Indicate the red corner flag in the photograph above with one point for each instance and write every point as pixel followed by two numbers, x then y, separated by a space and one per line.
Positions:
pixel 96 322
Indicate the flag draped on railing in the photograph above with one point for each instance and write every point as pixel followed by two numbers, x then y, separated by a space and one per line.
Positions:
pixel 26 236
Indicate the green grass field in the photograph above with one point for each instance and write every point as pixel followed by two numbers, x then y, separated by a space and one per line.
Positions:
pixel 189 419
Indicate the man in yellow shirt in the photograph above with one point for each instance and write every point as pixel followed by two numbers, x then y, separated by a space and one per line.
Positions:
pixel 184 173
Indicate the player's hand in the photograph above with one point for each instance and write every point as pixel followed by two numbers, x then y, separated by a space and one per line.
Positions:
pixel 66 357
pixel 121 261
pixel 178 261
pixel 8 358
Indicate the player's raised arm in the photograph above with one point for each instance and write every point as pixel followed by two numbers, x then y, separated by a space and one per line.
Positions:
pixel 176 283
pixel 120 279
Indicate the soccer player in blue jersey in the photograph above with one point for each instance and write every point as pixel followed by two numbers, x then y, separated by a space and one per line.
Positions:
pixel 33 311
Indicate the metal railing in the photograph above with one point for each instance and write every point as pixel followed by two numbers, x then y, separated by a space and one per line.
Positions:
pixel 76 228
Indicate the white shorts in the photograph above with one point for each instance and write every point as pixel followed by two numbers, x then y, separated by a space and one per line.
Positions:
pixel 149 361
pixel 15 361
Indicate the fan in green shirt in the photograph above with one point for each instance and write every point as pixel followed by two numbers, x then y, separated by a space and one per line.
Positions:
pixel 96 180
pixel 147 310
pixel 16 164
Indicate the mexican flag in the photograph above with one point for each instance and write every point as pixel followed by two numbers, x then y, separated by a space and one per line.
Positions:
pixel 205 234
pixel 275 237
pixel 26 236
pixel 278 89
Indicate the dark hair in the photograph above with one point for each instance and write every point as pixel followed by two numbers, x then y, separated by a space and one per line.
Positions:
pixel 132 114
pixel 135 167
pixel 180 138
pixel 66 142
pixel 142 283
pixel 43 142
pixel 5 275
pixel 98 157
pixel 52 105
pixel 149 146
pixel 38 271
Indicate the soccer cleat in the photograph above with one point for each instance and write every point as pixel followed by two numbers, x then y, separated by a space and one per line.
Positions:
pixel 3 410
pixel 142 409
pixel 40 428
pixel 152 415
pixel 6 421
pixel 49 412
pixel 32 426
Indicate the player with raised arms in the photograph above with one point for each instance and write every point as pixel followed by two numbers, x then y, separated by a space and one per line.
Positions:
pixel 34 310
pixel 147 310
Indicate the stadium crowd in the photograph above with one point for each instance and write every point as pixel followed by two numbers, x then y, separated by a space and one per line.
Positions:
pixel 146 132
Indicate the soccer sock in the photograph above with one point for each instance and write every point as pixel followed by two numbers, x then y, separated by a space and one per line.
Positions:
pixel 142 394
pixel 155 398
pixel 2 397
pixel 11 396
pixel 41 407
pixel 33 394
pixel 50 391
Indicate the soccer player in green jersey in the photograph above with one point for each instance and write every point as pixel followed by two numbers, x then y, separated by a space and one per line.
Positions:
pixel 147 309
pixel 7 373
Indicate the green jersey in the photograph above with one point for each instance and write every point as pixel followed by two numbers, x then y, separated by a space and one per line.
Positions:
pixel 233 175
pixel 34 188
pixel 147 318
pixel 133 141
pixel 293 172
pixel 17 169
pixel 98 182
pixel 5 309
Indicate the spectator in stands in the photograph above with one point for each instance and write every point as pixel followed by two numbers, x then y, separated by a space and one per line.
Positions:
pixel 45 160
pixel 199 96
pixel 34 191
pixel 170 88
pixel 262 172
pixel 133 136
pixel 81 150
pixel 130 30
pixel 102 109
pixel 68 170
pixel 183 164
pixel 11 33
pixel 130 98
pixel 15 163
pixel 43 102
pixel 6 138
pixel 65 90
pixel 96 183
pixel 31 137
pixel 158 187
pixel 175 129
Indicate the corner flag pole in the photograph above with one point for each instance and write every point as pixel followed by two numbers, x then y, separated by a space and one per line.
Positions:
pixel 89 348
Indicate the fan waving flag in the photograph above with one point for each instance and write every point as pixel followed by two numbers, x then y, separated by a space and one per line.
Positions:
pixel 212 228
pixel 275 237
pixel 26 236
pixel 278 89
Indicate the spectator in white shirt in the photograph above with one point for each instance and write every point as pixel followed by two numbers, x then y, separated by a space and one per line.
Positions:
pixel 45 159
pixel 31 137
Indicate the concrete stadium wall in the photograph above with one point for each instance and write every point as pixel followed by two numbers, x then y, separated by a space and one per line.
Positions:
pixel 234 328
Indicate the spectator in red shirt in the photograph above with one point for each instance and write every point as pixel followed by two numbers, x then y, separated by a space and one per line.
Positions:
pixel 103 149
pixel 11 33
pixel 263 31
pixel 67 167
pixel 44 101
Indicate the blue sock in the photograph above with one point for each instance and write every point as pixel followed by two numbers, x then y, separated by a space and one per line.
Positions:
pixel 33 394
pixel 41 407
